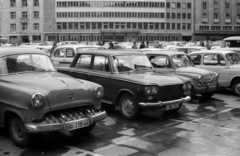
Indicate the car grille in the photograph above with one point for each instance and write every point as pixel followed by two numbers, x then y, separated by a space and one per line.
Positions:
pixel 68 115
pixel 169 92
pixel 211 80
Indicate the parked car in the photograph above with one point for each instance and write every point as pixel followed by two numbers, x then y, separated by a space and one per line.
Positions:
pixel 232 43
pixel 35 98
pixel 189 49
pixel 204 82
pixel 226 63
pixel 63 55
pixel 129 81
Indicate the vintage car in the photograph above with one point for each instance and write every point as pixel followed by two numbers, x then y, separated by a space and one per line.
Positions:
pixel 204 82
pixel 63 55
pixel 129 81
pixel 225 63
pixel 189 49
pixel 35 98
pixel 231 43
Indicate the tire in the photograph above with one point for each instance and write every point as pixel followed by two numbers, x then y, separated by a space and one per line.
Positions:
pixel 128 107
pixel 17 132
pixel 193 93
pixel 85 130
pixel 208 95
pixel 236 87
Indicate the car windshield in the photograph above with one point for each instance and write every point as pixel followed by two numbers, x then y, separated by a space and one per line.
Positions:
pixel 233 58
pixel 128 63
pixel 13 64
pixel 181 60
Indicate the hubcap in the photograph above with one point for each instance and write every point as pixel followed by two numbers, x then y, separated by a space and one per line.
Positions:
pixel 18 129
pixel 237 88
pixel 127 106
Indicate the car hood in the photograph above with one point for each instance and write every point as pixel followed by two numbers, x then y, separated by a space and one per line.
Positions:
pixel 56 86
pixel 194 70
pixel 152 78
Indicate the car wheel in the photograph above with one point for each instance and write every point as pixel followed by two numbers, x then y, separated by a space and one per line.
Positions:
pixel 193 93
pixel 17 132
pixel 208 95
pixel 128 107
pixel 84 130
pixel 236 87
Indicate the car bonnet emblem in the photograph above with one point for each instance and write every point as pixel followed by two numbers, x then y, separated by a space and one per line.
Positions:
pixel 71 96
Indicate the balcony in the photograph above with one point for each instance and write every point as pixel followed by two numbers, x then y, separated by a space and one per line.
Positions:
pixel 24 20
pixel 227 20
pixel 204 20
pixel 216 20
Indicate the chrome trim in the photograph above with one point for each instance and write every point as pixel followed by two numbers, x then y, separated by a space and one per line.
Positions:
pixel 160 103
pixel 45 127
pixel 106 101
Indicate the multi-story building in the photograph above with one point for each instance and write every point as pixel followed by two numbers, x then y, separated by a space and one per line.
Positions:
pixel 216 19
pixel 21 20
pixel 119 20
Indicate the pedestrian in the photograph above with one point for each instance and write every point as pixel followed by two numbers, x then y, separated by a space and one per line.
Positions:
pixel 147 45
pixel 134 46
pixel 53 47
pixel 142 45
pixel 111 45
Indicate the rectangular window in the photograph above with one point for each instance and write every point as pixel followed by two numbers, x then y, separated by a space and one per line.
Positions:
pixel 179 26
pixel 189 26
pixel 145 25
pixel 178 5
pixel 24 26
pixel 156 25
pixel 64 25
pixel 183 26
pixel 178 15
pixel 204 5
pixel 238 6
pixel 70 25
pixel 24 15
pixel 111 25
pixel 173 26
pixel 24 3
pixel 189 15
pixel 13 27
pixel 168 25
pixel 59 26
pixel 94 25
pixel 13 15
pixel 134 25
pixel 168 4
pixel 183 15
pixel 215 15
pixel 227 16
pixel 36 14
pixel 189 5
pixel 139 25
pixel 36 26
pixel 87 25
pixel 173 5
pixel 36 3
pixel 105 25
pixel 215 5
pixel 168 15
pixel 117 25
pixel 13 3
pixel 128 25
pixel 162 26
pixel 151 25
pixel 184 5
pixel 173 15
pixel 122 25
pixel 99 25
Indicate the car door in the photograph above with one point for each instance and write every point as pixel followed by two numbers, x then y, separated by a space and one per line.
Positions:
pixel 100 73
pixel 217 63
pixel 161 63
pixel 80 68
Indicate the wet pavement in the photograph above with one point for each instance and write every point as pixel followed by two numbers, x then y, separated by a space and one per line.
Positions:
pixel 201 128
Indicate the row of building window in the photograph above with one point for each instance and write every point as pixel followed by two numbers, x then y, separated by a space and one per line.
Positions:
pixel 122 25
pixel 123 15
pixel 236 28
pixel 13 26
pixel 13 15
pixel 135 4
pixel 216 5
pixel 24 3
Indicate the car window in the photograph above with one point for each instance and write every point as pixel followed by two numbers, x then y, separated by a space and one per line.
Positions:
pixel 60 52
pixel 84 61
pixel 70 53
pixel 160 61
pixel 196 59
pixel 100 63
pixel 233 58
pixel 213 59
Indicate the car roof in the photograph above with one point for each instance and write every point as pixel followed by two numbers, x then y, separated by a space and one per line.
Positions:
pixel 76 46
pixel 232 38
pixel 112 52
pixel 166 52
pixel 215 51
pixel 192 47
pixel 19 50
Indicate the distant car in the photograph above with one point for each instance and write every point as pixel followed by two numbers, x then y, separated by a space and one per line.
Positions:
pixel 35 98
pixel 45 48
pixel 129 81
pixel 189 49
pixel 232 43
pixel 63 55
pixel 226 63
pixel 204 82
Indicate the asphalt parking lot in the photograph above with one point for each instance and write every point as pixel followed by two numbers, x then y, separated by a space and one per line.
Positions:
pixel 201 128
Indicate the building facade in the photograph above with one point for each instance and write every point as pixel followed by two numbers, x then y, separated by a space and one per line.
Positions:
pixel 216 19
pixel 21 20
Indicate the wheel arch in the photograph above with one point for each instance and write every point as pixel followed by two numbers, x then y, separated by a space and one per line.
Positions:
pixel 233 80
pixel 120 94
pixel 7 115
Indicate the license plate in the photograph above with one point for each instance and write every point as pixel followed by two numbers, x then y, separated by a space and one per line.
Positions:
pixel 77 124
pixel 172 106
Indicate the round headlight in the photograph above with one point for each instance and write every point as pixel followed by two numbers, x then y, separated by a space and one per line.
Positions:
pixel 99 92
pixel 37 100
pixel 154 90
pixel 151 90
pixel 201 80
pixel 189 86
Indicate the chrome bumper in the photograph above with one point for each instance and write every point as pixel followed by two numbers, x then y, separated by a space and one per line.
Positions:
pixel 160 103
pixel 47 127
